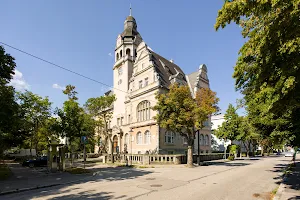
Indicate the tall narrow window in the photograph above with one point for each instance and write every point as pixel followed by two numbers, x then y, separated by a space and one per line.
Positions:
pixel 169 137
pixel 126 139
pixel 122 121
pixel 147 137
pixel 118 121
pixel 121 52
pixel 139 138
pixel 206 140
pixel 143 111
pixel 140 84
pixel 120 71
pixel 146 81
pixel 128 120
pixel 201 139
pixel 128 52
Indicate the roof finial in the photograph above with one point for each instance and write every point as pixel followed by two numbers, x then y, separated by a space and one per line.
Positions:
pixel 130 10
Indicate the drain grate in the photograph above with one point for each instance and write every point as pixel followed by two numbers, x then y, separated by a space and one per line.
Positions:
pixel 150 179
pixel 156 185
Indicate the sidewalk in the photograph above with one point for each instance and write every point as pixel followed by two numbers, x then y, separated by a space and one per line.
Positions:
pixel 289 189
pixel 25 178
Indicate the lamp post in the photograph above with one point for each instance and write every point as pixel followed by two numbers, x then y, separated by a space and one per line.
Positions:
pixel 131 131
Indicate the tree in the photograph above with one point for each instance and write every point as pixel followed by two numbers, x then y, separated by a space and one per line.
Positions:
pixel 99 108
pixel 230 127
pixel 37 111
pixel 73 121
pixel 267 71
pixel 180 113
pixel 12 125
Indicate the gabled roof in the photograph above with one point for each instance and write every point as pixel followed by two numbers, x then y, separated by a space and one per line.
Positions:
pixel 165 68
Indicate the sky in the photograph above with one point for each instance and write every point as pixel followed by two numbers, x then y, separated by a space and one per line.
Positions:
pixel 81 36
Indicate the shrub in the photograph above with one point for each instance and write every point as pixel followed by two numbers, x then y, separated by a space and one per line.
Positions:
pixel 231 158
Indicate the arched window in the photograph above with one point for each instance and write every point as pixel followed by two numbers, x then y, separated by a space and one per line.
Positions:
pixel 128 52
pixel 126 139
pixel 201 139
pixel 121 52
pixel 147 137
pixel 206 140
pixel 143 111
pixel 169 137
pixel 117 56
pixel 139 138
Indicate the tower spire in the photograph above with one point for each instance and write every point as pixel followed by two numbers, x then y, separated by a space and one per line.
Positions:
pixel 130 12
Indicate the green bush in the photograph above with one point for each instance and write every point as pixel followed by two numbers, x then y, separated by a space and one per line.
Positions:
pixel 231 158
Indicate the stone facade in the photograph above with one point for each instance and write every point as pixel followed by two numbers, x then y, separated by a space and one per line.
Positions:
pixel 139 73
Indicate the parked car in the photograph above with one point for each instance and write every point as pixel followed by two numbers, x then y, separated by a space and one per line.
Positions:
pixel 40 161
pixel 288 154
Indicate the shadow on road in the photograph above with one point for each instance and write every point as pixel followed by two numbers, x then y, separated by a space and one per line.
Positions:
pixel 74 190
pixel 228 164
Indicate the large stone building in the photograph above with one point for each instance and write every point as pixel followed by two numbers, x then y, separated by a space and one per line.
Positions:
pixel 138 74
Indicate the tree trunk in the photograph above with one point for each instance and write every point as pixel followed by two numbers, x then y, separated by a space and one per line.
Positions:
pixel 112 151
pixel 71 153
pixel 190 156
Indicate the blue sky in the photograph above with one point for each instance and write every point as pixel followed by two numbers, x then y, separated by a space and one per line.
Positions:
pixel 80 35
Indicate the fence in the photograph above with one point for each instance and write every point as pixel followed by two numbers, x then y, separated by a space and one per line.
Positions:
pixel 147 159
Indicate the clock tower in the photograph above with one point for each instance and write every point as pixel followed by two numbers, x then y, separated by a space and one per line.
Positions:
pixel 125 55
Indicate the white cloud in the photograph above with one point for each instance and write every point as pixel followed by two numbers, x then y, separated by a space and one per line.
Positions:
pixel 56 86
pixel 110 54
pixel 18 81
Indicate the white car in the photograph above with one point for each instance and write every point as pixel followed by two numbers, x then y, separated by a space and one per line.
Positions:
pixel 288 154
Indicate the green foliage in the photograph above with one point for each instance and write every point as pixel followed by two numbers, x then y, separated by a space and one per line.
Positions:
pixel 12 125
pixel 230 158
pixel 230 127
pixel 267 71
pixel 37 111
pixel 7 67
pixel 180 113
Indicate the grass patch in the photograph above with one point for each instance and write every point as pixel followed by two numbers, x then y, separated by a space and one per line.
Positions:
pixel 77 170
pixel 275 191
pixel 5 172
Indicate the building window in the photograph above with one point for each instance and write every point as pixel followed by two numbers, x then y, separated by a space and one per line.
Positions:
pixel 118 121
pixel 140 84
pixel 206 140
pixel 120 82
pixel 126 139
pixel 206 124
pixel 146 81
pixel 128 52
pixel 117 56
pixel 147 137
pixel 139 138
pixel 121 121
pixel 121 52
pixel 201 139
pixel 143 111
pixel 184 140
pixel 169 137
pixel 128 119
pixel 120 71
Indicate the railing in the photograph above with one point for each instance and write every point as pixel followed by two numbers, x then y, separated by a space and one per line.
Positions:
pixel 147 159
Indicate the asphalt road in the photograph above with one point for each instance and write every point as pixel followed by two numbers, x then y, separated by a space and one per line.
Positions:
pixel 238 180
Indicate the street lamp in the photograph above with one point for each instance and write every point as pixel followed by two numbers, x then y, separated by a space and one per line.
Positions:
pixel 198 147
pixel 131 138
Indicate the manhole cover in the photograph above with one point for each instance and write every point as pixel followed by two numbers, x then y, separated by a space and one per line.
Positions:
pixel 150 179
pixel 156 185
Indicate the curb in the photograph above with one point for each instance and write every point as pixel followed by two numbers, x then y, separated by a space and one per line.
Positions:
pixel 40 187
pixel 281 186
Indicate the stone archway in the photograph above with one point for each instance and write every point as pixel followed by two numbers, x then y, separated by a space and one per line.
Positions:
pixel 115 143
